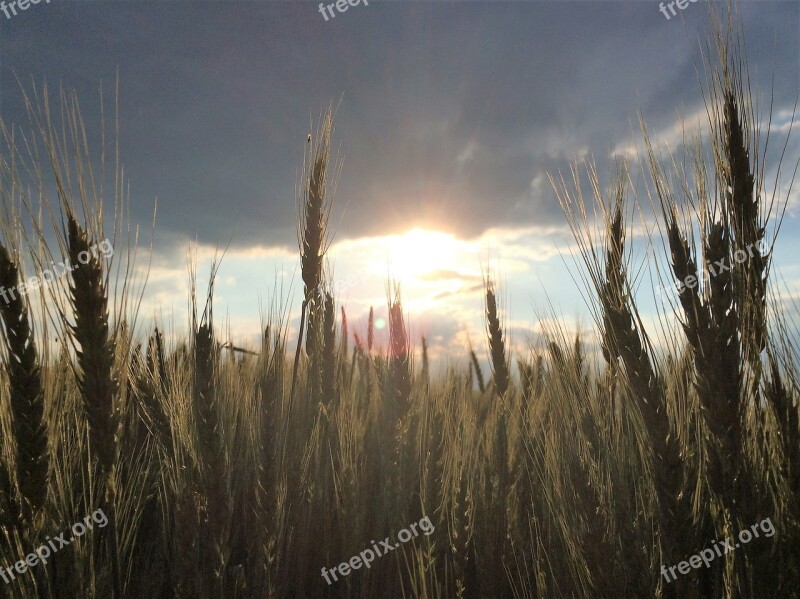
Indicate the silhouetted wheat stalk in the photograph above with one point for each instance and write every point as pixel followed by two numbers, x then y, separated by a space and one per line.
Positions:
pixel 27 397
pixel 425 365
pixel 329 372
pixel 499 440
pixel 211 441
pixel 624 340
pixel 156 361
pixel 95 377
pixel 368 356
pixel 477 368
pixel 497 346
pixel 399 361
pixel 312 243
pixel 157 418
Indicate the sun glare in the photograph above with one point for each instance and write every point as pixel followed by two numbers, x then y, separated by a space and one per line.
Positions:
pixel 429 265
pixel 415 257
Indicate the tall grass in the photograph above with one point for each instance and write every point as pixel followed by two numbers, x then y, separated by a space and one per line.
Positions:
pixel 565 477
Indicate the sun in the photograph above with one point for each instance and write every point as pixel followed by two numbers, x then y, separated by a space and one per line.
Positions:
pixel 418 255
pixel 428 264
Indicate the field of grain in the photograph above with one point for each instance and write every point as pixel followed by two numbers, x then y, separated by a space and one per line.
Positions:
pixel 224 473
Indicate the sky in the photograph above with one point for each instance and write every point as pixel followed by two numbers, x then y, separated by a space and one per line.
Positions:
pixel 448 116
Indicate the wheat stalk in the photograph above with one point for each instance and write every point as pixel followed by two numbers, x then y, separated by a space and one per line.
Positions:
pixel 478 372
pixel 96 378
pixel 329 386
pixel 345 340
pixel 399 363
pixel 370 330
pixel 211 441
pixel 152 408
pixel 27 397
pixel 497 346
pixel 425 366
pixel 312 242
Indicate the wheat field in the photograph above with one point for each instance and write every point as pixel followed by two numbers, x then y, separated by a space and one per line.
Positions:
pixel 226 472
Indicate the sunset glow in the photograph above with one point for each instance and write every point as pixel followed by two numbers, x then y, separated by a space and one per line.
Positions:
pixel 416 255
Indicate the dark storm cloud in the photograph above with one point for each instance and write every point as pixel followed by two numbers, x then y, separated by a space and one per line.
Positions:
pixel 448 111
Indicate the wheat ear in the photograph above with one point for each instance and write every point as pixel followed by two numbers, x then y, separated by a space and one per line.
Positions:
pixel 497 346
pixel 27 397
pixel 399 365
pixel 312 243
pixel 478 371
pixel 96 380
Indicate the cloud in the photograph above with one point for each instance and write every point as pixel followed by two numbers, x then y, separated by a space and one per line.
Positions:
pixel 668 138
pixel 441 275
